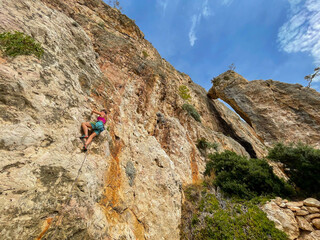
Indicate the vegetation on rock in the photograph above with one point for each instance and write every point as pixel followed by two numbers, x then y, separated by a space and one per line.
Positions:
pixel 115 4
pixel 17 43
pixel 208 214
pixel 301 164
pixel 145 54
pixel 245 178
pixel 203 144
pixel 312 76
pixel 184 93
pixel 192 111
pixel 205 216
pixel 232 67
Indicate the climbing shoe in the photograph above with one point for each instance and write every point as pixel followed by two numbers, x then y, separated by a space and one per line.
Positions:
pixel 84 148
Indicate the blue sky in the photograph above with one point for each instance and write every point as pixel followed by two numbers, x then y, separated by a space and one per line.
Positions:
pixel 265 39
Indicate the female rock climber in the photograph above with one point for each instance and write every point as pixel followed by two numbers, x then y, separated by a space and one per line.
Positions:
pixel 97 127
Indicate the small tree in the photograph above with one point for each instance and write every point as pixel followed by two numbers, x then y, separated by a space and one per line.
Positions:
pixel 232 67
pixel 310 77
pixel 115 4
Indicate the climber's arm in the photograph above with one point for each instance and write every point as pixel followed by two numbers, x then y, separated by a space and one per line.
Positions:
pixel 96 112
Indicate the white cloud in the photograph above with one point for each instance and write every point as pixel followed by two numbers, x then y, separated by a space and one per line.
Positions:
pixel 301 33
pixel 195 21
pixel 226 2
pixel 316 79
pixel 205 9
pixel 163 4
pixel 192 33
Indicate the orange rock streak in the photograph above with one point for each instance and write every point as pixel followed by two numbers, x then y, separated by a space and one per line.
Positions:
pixel 46 227
pixel 113 183
pixel 193 163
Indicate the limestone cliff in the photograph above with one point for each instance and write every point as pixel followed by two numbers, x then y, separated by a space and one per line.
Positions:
pixel 277 111
pixel 130 183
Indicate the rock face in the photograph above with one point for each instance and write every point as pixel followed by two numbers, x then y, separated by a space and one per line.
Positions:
pixel 283 218
pixel 128 186
pixel 311 202
pixel 296 219
pixel 277 111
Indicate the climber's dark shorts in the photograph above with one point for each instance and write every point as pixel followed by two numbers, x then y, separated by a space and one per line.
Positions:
pixel 97 127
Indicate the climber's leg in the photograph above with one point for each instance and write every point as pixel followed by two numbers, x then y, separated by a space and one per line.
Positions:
pixel 90 138
pixel 85 126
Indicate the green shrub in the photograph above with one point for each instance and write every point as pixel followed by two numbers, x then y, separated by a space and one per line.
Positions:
pixel 203 144
pixel 192 111
pixel 145 54
pixel 216 79
pixel 245 178
pixel 101 24
pixel 235 223
pixel 184 93
pixel 301 164
pixel 17 43
pixel 195 219
pixel 205 217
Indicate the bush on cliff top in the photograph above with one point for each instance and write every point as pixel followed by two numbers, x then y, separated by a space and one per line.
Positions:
pixel 245 178
pixel 17 43
pixel 301 164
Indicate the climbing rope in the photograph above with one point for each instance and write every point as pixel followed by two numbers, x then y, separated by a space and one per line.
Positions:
pixel 67 201
pixel 78 174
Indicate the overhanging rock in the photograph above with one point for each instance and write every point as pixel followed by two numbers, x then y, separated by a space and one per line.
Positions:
pixel 277 111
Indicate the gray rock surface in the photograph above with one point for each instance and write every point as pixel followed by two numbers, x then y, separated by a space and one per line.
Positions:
pixel 284 219
pixel 316 223
pixel 311 202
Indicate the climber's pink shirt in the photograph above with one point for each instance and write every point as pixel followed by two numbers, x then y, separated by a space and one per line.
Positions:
pixel 101 119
